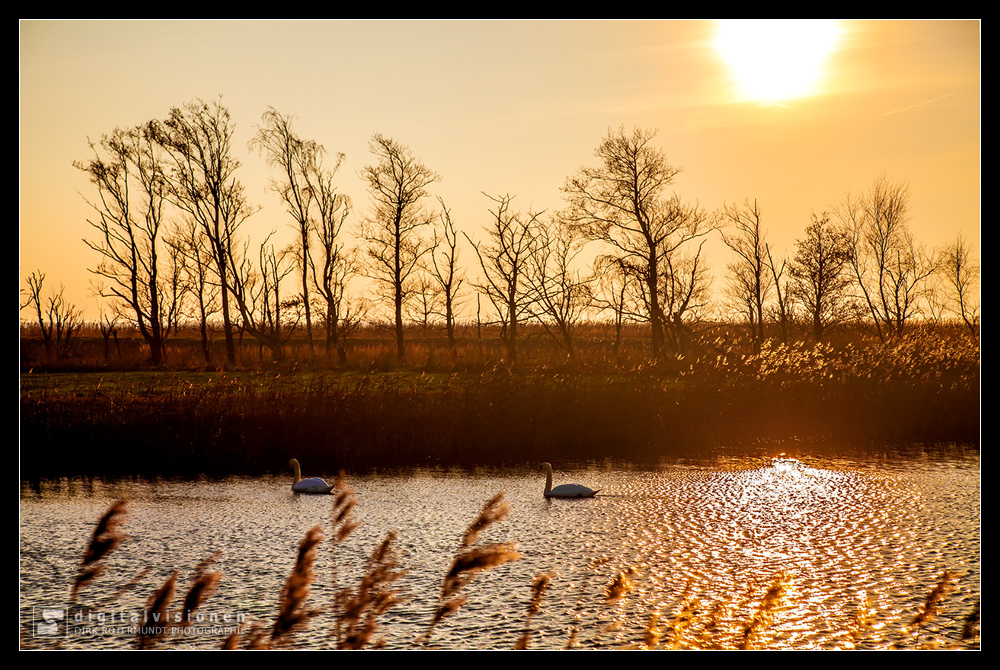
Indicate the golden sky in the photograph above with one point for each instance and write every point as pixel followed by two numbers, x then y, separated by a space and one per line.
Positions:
pixel 518 106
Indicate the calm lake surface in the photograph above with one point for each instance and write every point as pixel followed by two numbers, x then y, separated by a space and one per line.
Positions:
pixel 850 550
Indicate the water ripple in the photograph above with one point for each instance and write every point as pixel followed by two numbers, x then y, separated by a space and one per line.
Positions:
pixel 740 553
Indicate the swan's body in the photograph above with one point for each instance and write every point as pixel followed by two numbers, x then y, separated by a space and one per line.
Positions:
pixel 310 485
pixel 564 490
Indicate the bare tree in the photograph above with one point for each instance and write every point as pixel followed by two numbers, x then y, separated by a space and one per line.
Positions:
pixel 257 293
pixel 562 294
pixel 425 301
pixel 57 318
pixel 749 284
pixel 197 269
pixel 299 162
pixel 783 308
pixel 624 203
pixel 397 183
pixel 687 286
pixel 205 187
pixel 961 279
pixel 888 266
pixel 505 258
pixel 343 315
pixel 129 225
pixel 109 330
pixel 444 270
pixel 820 274
pixel 618 289
pixel 336 266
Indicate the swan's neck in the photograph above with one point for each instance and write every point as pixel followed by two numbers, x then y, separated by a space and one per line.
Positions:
pixel 297 472
pixel 548 480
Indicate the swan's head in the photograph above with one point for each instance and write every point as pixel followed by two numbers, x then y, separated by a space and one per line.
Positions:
pixel 547 467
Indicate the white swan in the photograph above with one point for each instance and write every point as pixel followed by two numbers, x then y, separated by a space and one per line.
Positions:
pixel 311 485
pixel 564 490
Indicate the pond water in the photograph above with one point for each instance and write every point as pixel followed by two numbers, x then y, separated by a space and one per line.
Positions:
pixel 737 552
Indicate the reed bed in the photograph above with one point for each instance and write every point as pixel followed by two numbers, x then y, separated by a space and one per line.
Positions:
pixel 752 620
pixel 922 390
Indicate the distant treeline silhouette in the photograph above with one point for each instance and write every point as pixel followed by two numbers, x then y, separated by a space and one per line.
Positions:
pixel 171 256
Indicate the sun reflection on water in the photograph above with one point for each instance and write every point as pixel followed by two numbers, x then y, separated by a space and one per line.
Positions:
pixel 740 553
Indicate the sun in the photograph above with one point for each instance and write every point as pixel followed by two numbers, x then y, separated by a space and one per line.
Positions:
pixel 775 60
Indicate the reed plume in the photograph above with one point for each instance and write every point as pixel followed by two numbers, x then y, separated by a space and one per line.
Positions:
pixel 685 618
pixel 257 638
pixel 651 635
pixel 105 539
pixel 342 525
pixel 203 585
pixel 538 586
pixel 292 612
pixel 929 609
pixel 343 505
pixel 471 560
pixel 496 509
pixel 360 608
pixel 764 614
pixel 619 586
pixel 970 627
pixel 157 614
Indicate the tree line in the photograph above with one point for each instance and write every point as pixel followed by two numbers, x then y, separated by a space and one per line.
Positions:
pixel 168 207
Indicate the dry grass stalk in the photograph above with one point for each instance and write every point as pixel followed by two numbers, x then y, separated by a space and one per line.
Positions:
pixel 202 587
pixel 135 581
pixel 929 609
pixel 105 539
pixel 375 595
pixel 470 561
pixel 711 631
pixel 863 621
pixel 496 509
pixel 764 614
pixel 538 586
pixel 343 505
pixel 684 620
pixel 157 614
pixel 651 635
pixel 619 586
pixel 203 567
pixel 574 634
pixel 257 638
pixel 343 524
pixel 970 629
pixel 292 612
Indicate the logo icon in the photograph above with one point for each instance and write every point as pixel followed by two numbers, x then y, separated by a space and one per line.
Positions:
pixel 49 621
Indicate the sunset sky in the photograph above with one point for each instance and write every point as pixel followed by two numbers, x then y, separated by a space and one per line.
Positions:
pixel 517 107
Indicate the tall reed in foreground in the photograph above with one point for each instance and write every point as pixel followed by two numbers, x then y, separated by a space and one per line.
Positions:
pixel 107 535
pixel 292 612
pixel 203 584
pixel 763 617
pixel 538 586
pixel 471 560
pixel 154 628
pixel 356 610
pixel 359 608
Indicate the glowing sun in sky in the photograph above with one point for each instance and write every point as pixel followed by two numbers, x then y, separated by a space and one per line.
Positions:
pixel 774 60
